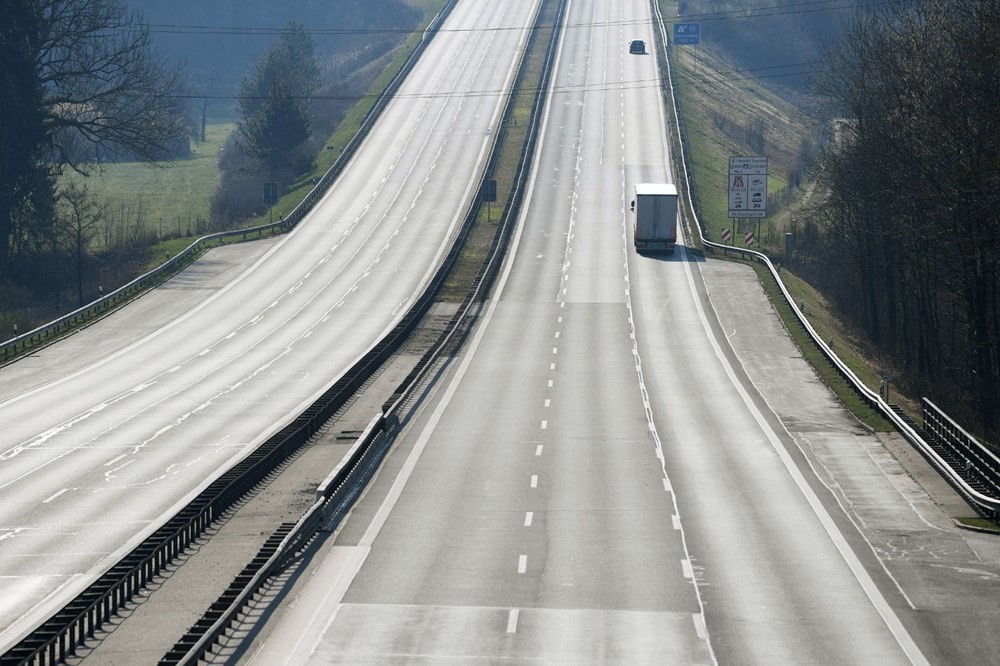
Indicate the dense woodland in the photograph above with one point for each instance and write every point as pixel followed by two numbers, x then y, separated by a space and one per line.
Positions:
pixel 910 232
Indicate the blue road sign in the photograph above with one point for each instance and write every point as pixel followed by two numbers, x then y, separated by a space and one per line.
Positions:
pixel 687 33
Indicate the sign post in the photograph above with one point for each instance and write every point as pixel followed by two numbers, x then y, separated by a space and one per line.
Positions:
pixel 270 198
pixel 489 195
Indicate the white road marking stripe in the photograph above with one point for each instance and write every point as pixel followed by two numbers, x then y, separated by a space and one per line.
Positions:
pixel 676 521
pixel 875 596
pixel 550 383
pixel 545 425
pixel 548 402
pixel 522 564
pixel 538 450
pixel 55 496
pixel 699 625
pixel 686 568
pixel 512 621
pixel 528 517
pixel 534 480
pixel 114 460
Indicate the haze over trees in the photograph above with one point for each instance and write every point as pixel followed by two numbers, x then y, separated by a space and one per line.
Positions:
pixel 80 86
pixel 910 235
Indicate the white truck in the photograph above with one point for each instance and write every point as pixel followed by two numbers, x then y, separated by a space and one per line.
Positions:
pixel 655 209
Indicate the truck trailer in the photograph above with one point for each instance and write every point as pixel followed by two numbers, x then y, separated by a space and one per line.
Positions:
pixel 655 209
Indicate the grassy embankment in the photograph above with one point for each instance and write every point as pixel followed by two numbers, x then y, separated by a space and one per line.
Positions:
pixel 718 103
pixel 348 127
pixel 177 196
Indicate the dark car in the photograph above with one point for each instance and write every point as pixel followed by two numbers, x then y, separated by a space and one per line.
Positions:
pixel 637 46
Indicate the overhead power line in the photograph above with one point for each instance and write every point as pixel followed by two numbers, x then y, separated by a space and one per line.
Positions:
pixel 808 7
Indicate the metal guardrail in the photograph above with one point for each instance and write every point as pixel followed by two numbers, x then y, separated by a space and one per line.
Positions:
pixel 985 504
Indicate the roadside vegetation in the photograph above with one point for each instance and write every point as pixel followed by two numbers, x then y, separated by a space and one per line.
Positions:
pixel 840 185
pixel 120 208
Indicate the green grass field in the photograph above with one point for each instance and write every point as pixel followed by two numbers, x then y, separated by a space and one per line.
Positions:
pixel 173 196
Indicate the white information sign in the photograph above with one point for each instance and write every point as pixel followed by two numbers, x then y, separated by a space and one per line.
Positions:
pixel 747 187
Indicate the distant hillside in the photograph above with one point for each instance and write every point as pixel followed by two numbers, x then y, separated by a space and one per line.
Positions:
pixel 774 40
pixel 218 42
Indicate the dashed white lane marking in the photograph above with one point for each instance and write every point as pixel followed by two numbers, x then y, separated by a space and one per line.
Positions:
pixel 555 350
pixel 667 486
pixel 538 450
pixel 522 564
pixel 677 521
pixel 550 383
pixel 548 402
pixel 557 334
pixel 55 496
pixel 559 320
pixel 512 621
pixel 699 625
pixel 545 425
pixel 534 480
pixel 686 568
pixel 528 517
pixel 552 366
pixel 114 460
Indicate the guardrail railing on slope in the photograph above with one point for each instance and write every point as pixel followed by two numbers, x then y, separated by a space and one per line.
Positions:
pixel 984 503
pixel 58 327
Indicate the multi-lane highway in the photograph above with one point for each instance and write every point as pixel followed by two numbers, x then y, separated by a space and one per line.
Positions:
pixel 628 464
pixel 105 434
pixel 599 479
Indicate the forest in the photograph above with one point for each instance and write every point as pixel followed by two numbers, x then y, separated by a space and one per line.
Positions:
pixel 909 242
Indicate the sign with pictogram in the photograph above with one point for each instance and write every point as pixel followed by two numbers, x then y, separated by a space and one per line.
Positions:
pixel 687 34
pixel 747 187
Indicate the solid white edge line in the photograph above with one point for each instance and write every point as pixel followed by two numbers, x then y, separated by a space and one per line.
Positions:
pixel 881 605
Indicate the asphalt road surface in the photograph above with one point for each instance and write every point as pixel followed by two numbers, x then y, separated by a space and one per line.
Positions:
pixel 539 513
pixel 615 472
pixel 106 434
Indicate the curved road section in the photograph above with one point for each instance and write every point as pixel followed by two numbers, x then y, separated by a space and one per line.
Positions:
pixel 598 479
pixel 109 432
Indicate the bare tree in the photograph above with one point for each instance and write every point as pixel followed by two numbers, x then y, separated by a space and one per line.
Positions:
pixel 915 190
pixel 79 222
pixel 84 86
